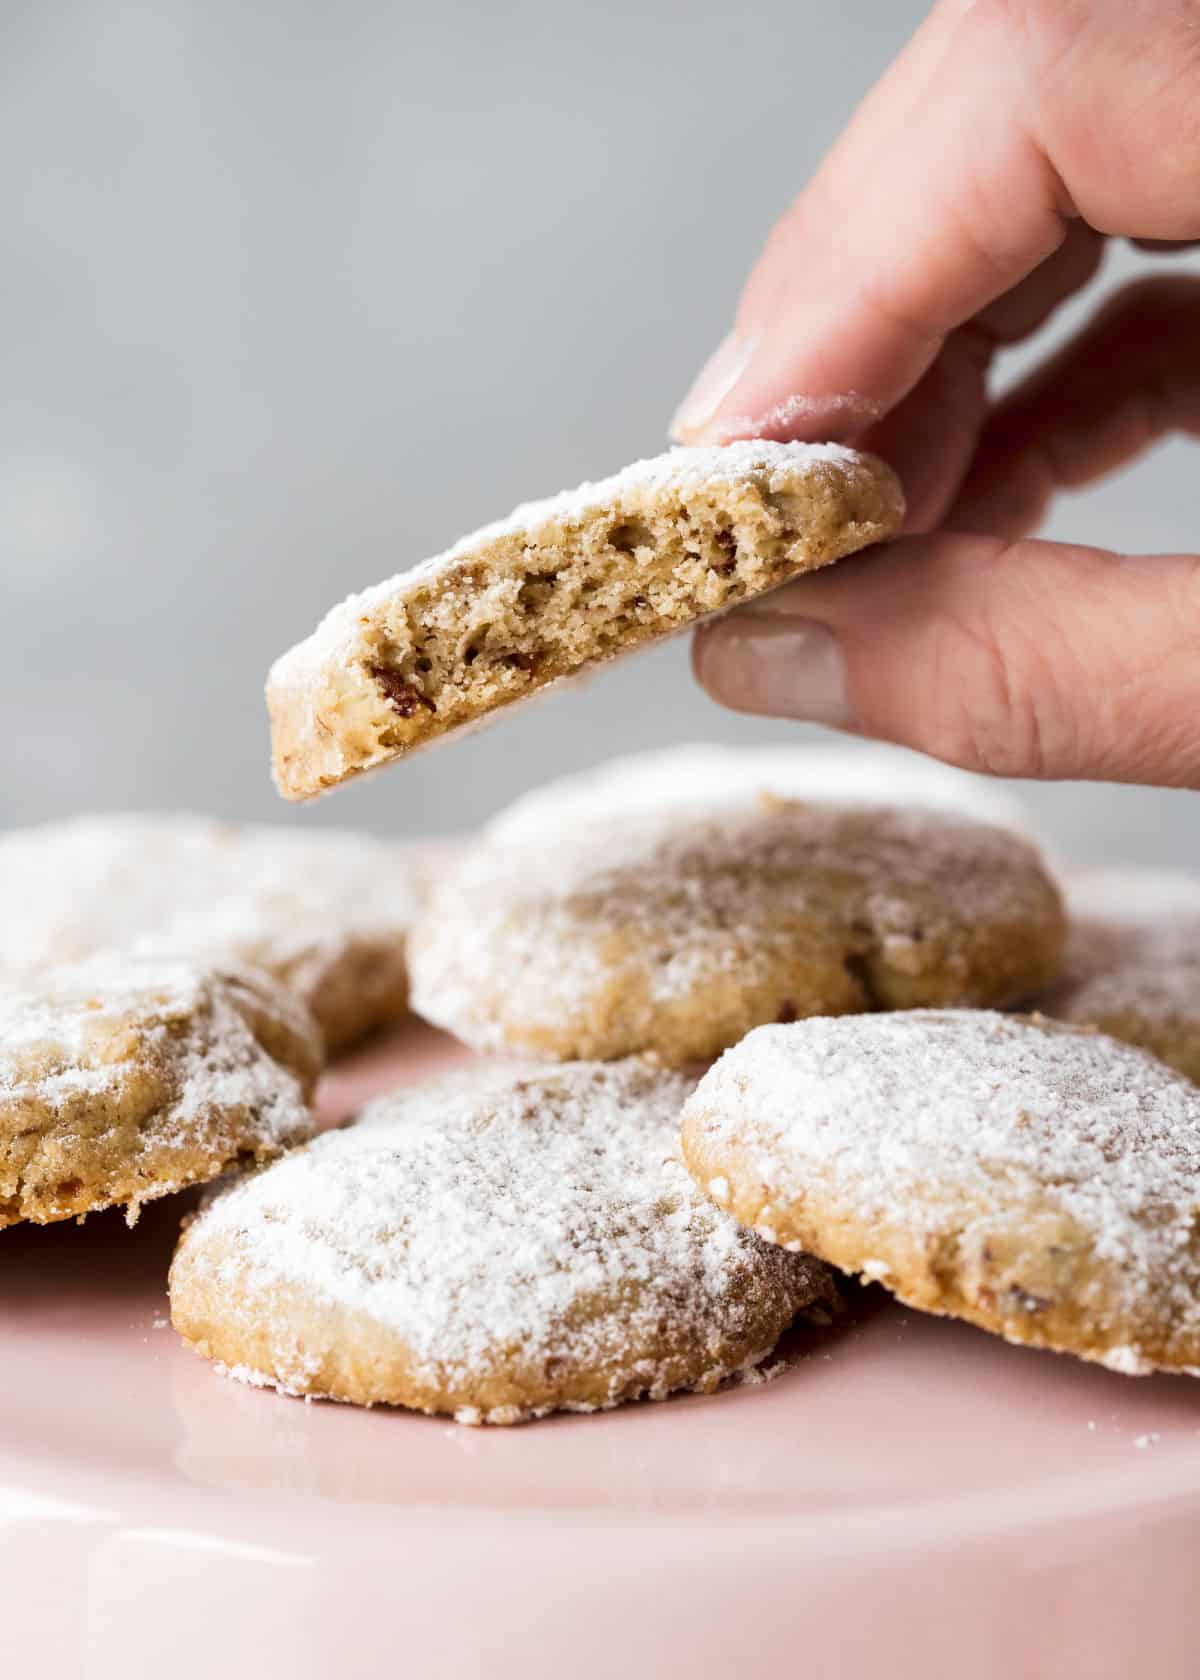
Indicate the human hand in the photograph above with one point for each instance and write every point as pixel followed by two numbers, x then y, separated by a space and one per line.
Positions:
pixel 968 198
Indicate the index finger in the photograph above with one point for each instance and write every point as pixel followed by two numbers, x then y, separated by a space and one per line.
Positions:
pixel 935 201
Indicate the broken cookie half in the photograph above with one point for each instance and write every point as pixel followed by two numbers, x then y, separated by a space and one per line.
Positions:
pixel 560 585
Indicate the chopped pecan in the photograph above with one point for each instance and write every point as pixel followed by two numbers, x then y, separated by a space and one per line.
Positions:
pixel 726 541
pixel 402 696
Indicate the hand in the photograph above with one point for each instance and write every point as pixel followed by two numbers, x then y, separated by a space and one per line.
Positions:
pixel 968 198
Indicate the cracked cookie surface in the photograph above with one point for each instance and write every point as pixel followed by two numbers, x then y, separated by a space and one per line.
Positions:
pixel 495 1244
pixel 676 931
pixel 1035 1179
pixel 123 1078
pixel 560 585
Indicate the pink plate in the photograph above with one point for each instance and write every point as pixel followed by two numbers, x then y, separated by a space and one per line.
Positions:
pixel 909 1497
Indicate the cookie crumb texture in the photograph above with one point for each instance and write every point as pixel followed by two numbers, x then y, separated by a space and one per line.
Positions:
pixel 123 1079
pixel 676 932
pixel 1034 1179
pixel 327 914
pixel 1133 961
pixel 560 585
pixel 496 1245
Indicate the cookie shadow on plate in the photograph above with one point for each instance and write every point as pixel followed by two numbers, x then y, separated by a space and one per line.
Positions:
pixel 47 1266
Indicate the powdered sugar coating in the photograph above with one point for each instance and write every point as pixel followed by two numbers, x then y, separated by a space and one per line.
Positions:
pixel 511 1239
pixel 704 774
pixel 326 912
pixel 847 411
pixel 1133 960
pixel 682 470
pixel 677 930
pixel 123 1077
pixel 1033 1178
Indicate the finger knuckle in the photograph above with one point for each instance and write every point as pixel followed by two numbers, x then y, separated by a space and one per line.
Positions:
pixel 1002 701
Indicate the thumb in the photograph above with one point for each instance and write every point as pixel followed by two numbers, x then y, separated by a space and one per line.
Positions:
pixel 1022 659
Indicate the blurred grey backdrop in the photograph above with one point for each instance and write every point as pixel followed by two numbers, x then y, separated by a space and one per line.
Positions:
pixel 295 294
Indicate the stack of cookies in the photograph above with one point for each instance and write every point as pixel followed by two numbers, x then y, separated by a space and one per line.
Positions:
pixel 170 988
pixel 745 1020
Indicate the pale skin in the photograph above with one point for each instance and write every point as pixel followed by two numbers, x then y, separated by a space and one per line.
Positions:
pixel 971 195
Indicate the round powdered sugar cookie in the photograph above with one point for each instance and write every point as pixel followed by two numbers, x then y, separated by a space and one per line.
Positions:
pixel 123 1078
pixel 1133 961
pixel 561 585
pixel 1035 1179
pixel 712 776
pixel 496 1244
pixel 675 932
pixel 326 913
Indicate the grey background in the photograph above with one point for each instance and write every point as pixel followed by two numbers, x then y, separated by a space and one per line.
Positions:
pixel 294 294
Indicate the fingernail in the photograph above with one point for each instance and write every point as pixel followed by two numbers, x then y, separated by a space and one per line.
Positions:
pixel 716 379
pixel 777 667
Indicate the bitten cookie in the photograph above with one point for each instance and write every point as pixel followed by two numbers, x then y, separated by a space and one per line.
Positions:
pixel 1133 961
pixel 122 1079
pixel 495 1244
pixel 558 586
pixel 326 913
pixel 1034 1179
pixel 676 932
pixel 717 777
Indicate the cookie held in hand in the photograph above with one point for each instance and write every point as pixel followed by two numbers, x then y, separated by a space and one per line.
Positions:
pixel 561 585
